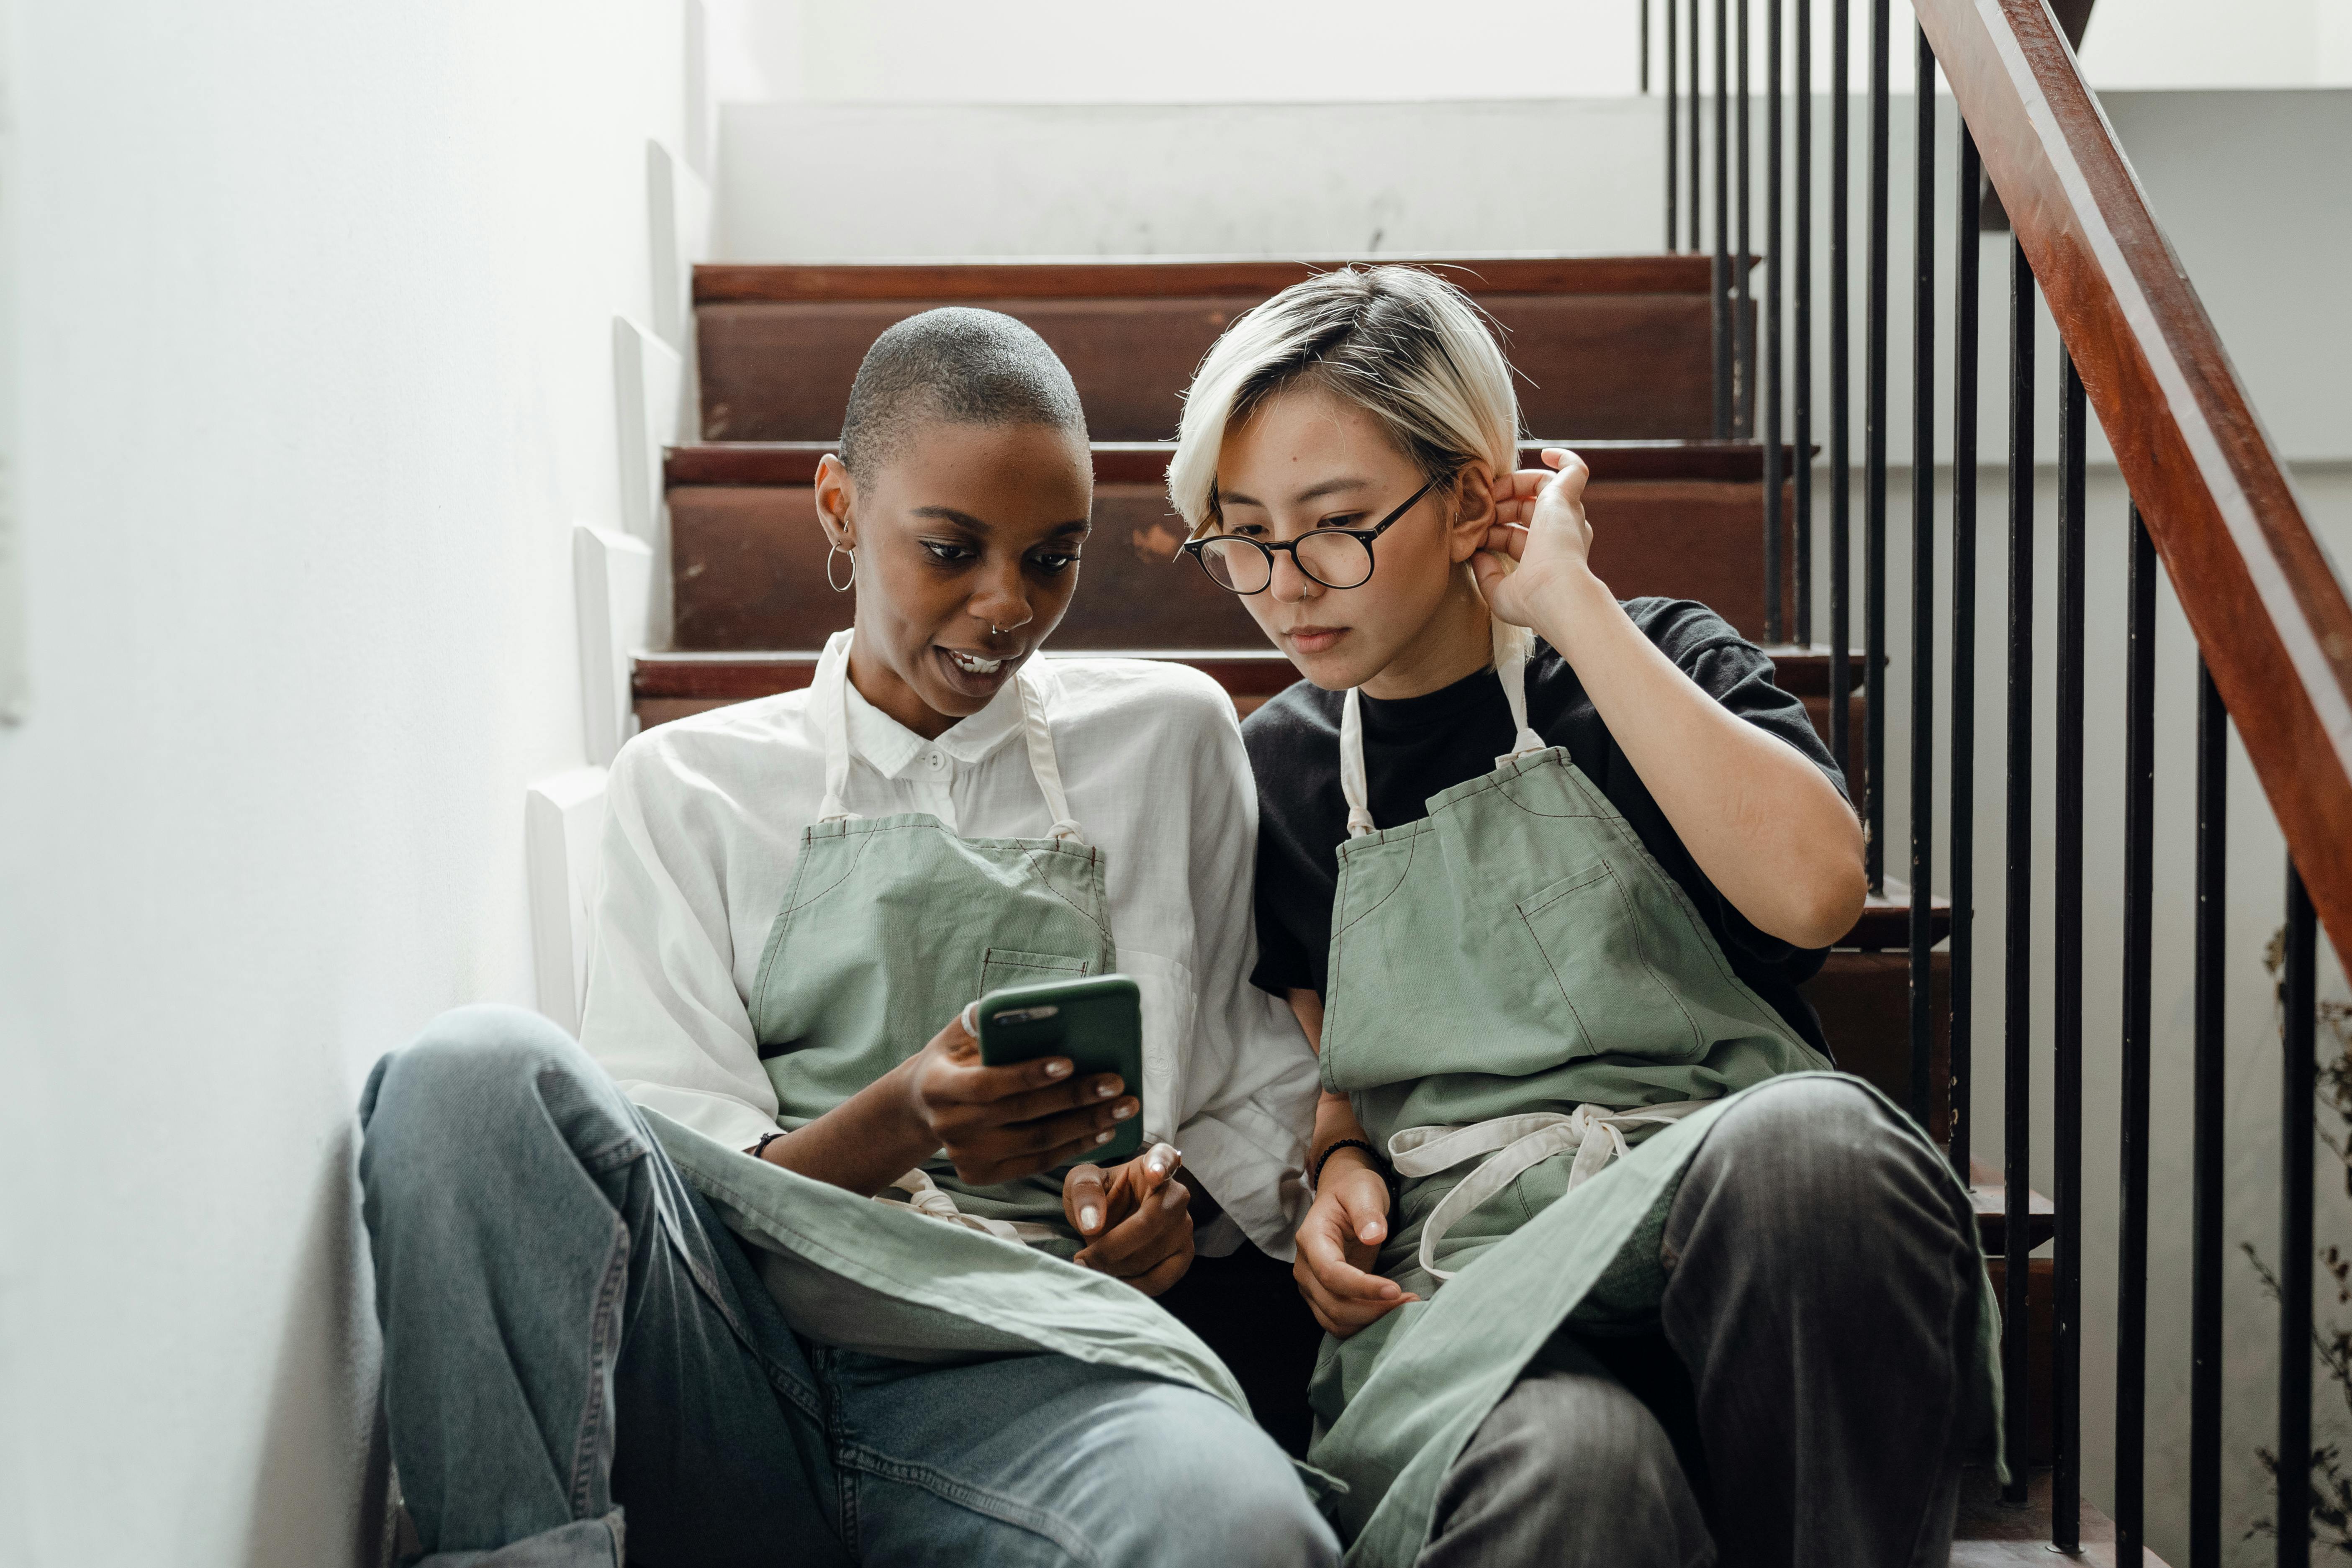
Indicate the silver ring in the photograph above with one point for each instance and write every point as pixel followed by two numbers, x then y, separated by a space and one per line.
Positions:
pixel 841 587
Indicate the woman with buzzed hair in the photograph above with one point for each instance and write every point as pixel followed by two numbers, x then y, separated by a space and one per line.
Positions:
pixel 645 1284
pixel 1615 1272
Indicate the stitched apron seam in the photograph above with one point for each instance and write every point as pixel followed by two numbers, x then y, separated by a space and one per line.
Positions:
pixel 1411 848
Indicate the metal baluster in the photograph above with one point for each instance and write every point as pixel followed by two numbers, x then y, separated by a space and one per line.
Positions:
pixel 1743 293
pixel 1674 149
pixel 2067 1026
pixel 1874 439
pixel 1966 253
pixel 1646 58
pixel 1840 378
pixel 2205 1238
pixel 2016 1023
pixel 1923 592
pixel 1802 404
pixel 2297 991
pixel 1696 199
pixel 2140 851
pixel 1775 514
pixel 1722 370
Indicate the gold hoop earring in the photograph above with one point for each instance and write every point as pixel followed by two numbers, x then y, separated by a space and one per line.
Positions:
pixel 841 587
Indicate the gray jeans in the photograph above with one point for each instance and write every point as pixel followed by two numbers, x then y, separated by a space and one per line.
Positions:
pixel 572 1340
pixel 1805 1401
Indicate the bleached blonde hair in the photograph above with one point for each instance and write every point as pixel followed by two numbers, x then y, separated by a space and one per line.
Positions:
pixel 1402 344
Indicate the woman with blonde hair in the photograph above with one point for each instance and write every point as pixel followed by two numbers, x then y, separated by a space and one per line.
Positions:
pixel 1616 1269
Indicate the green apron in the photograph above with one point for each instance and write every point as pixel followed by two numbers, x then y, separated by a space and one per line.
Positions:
pixel 1528 1013
pixel 890 926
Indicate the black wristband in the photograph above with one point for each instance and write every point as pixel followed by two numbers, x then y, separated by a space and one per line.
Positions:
pixel 760 1150
pixel 1316 1178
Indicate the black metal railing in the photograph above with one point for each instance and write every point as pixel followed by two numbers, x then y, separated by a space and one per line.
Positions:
pixel 1763 371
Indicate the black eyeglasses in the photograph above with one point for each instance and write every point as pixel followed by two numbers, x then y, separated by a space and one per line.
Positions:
pixel 1335 557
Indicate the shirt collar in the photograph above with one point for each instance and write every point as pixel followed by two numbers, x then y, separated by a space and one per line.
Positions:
pixel 891 749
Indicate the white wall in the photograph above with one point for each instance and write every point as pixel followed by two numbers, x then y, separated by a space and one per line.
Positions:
pixel 1247 51
pixel 313 376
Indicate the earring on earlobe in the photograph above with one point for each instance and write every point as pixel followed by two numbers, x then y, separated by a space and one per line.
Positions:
pixel 852 554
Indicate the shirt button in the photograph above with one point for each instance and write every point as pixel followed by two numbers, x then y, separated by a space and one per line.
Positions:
pixel 934 761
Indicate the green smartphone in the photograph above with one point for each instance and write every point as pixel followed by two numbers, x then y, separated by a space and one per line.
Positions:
pixel 1098 1023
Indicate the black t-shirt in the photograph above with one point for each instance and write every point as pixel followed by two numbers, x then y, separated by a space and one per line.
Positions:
pixel 1421 746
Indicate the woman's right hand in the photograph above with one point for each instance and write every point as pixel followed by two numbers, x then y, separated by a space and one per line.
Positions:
pixel 1000 1124
pixel 1338 1242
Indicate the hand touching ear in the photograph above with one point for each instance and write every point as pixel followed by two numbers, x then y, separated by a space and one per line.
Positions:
pixel 1540 537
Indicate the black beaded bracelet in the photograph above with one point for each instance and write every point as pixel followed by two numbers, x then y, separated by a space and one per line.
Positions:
pixel 1378 1164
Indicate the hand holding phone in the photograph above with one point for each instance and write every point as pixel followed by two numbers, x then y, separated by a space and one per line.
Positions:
pixel 1096 1023
pixel 999 1123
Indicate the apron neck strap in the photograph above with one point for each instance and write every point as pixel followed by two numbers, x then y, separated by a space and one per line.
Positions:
pixel 829 702
pixel 1043 761
pixel 830 706
pixel 1512 646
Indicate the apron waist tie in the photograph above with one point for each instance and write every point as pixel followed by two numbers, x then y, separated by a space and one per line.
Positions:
pixel 1514 1145
pixel 926 1198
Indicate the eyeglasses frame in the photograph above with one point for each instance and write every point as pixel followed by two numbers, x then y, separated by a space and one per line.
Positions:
pixel 1363 536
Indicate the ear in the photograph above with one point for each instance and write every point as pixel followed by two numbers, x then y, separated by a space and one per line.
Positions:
pixel 1474 511
pixel 837 499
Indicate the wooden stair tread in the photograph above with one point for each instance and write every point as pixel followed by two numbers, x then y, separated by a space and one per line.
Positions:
pixel 1165 277
pixel 1605 364
pixel 790 463
pixel 1995 1534
pixel 1886 922
pixel 1990 1201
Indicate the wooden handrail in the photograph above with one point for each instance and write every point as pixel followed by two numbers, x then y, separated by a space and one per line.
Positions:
pixel 2268 612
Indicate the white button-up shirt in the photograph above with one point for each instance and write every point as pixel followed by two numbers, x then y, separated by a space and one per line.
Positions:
pixel 703 826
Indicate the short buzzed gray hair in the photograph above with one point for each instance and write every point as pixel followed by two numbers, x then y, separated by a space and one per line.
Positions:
pixel 963 365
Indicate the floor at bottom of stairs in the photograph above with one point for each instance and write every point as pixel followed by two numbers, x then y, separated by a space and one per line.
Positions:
pixel 1994 1534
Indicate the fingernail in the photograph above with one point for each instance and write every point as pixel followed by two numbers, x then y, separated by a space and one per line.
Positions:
pixel 1122 1113
pixel 1087 1216
pixel 1369 1233
pixel 1057 1069
pixel 1105 1090
pixel 1104 1137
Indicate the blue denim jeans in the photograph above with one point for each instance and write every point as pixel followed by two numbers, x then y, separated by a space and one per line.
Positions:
pixel 572 1340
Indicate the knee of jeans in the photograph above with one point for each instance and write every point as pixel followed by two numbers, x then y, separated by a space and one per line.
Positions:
pixel 1593 1428
pixel 1239 1500
pixel 471 1071
pixel 1820 1158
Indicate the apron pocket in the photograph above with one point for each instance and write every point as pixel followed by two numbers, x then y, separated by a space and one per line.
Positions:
pixel 1002 967
pixel 1590 936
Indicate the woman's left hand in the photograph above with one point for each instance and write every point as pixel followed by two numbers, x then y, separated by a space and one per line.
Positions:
pixel 1540 530
pixel 1136 1218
